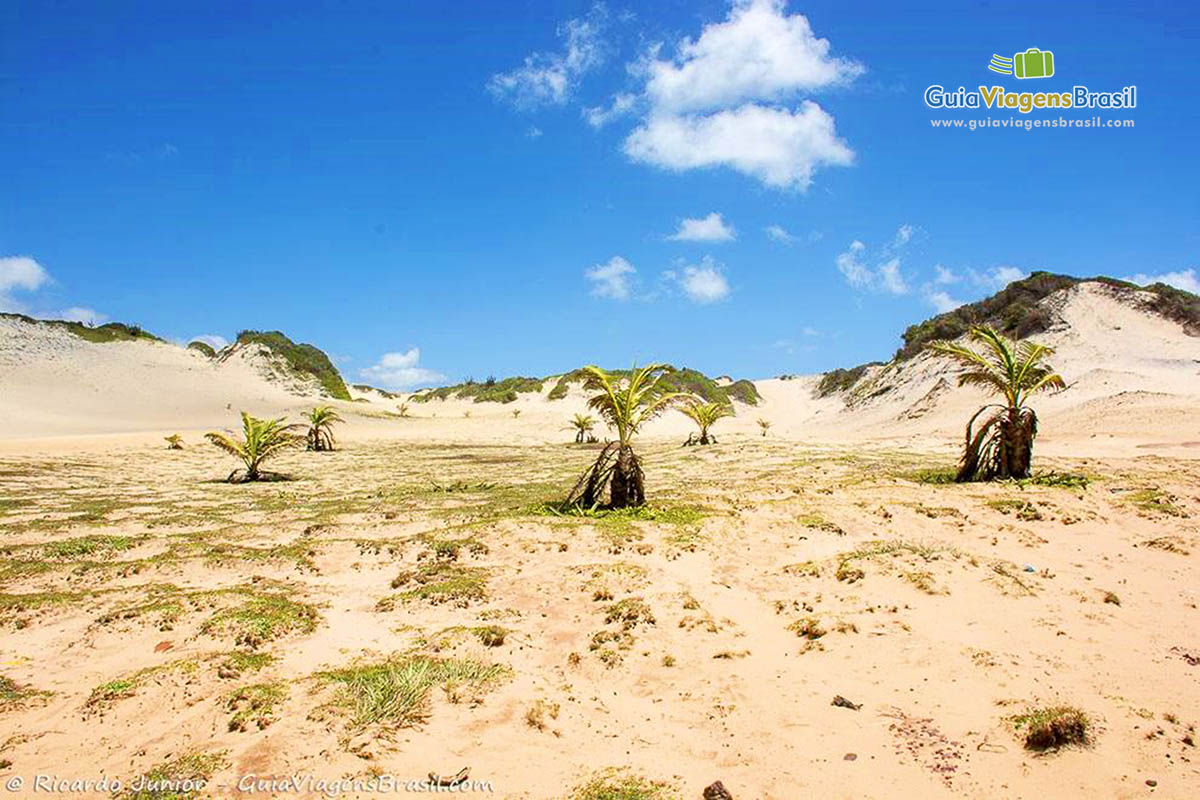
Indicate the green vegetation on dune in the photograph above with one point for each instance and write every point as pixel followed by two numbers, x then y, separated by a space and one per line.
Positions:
pixel 203 348
pixel 508 389
pixel 685 380
pixel 489 391
pixel 364 387
pixel 839 380
pixel 1015 312
pixel 302 358
pixel 100 334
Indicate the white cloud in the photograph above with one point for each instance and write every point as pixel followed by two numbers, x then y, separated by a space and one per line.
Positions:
pixel 19 273
pixel 702 284
pixel 599 116
pixel 400 371
pixel 212 340
pixel 723 99
pixel 781 148
pixel 890 278
pixel 776 233
pixel 1182 279
pixel 705 229
pixel 942 301
pixel 88 316
pixel 757 53
pixel 944 275
pixel 534 132
pixel 550 78
pixel 612 280
pixel 998 277
pixel 886 276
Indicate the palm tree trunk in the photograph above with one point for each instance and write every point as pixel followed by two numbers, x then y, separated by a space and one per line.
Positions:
pixel 628 482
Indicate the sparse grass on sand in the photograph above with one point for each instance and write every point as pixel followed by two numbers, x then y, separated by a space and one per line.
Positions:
pixel 183 778
pixel 396 691
pixel 618 784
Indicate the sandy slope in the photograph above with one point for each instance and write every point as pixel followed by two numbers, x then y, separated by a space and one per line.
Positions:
pixel 1134 382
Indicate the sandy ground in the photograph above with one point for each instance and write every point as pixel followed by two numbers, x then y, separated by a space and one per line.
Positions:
pixel 159 621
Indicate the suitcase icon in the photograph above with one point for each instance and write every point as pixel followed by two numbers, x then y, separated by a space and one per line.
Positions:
pixel 1034 63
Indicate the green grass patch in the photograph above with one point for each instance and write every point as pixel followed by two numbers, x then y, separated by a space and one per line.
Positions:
pixel 13 695
pixel 618 784
pixel 442 582
pixel 396 692
pixel 1156 501
pixel 263 618
pixel 182 779
pixel 88 546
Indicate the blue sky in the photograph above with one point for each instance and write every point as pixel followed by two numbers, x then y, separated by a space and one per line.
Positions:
pixel 429 192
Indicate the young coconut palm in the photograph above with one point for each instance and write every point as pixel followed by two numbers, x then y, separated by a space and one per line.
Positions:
pixel 261 439
pixel 1002 445
pixel 174 441
pixel 320 427
pixel 583 425
pixel 403 408
pixel 765 424
pixel 705 415
pixel 625 404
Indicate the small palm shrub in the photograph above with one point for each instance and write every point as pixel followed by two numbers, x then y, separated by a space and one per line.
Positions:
pixel 705 415
pixel 764 425
pixel 320 428
pixel 1002 444
pixel 174 441
pixel 261 440
pixel 625 403
pixel 583 425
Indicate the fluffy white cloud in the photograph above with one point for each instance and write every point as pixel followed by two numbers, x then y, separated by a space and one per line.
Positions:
pixel 401 371
pixel 718 101
pixel 19 273
pixel 549 78
pixel 88 316
pixel 886 275
pixel 599 116
pixel 612 280
pixel 1183 279
pixel 705 229
pixel 776 233
pixel 779 147
pixel 757 53
pixel 942 301
pixel 702 283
